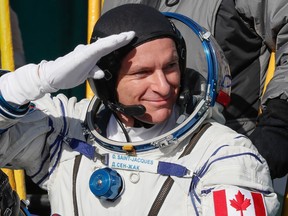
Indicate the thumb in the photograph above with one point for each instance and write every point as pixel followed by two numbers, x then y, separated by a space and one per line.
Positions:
pixel 96 73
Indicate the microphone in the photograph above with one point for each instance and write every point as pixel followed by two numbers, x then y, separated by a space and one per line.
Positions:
pixel 131 110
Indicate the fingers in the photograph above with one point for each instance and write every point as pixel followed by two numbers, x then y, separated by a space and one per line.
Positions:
pixel 105 46
pixel 108 44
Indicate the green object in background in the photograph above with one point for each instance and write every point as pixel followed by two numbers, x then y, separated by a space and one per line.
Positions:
pixel 51 29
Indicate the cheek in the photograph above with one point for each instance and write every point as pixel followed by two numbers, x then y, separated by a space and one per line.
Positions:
pixel 121 90
pixel 174 80
pixel 127 91
pixel 175 83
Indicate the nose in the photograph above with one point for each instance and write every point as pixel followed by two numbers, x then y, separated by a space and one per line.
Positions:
pixel 161 84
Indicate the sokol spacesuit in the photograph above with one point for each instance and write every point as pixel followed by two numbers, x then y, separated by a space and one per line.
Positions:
pixel 91 163
pixel 247 31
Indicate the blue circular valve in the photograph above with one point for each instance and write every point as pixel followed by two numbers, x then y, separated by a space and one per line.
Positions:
pixel 106 184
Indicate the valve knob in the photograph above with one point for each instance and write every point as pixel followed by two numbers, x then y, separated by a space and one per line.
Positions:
pixel 106 184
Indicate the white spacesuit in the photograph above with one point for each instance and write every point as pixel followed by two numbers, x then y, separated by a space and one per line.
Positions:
pixel 188 165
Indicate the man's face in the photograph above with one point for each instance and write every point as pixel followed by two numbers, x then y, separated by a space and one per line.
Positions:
pixel 150 76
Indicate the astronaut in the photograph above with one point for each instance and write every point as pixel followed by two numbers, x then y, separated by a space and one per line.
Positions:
pixel 248 31
pixel 151 141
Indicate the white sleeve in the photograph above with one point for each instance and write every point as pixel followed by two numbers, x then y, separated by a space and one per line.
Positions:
pixel 231 176
pixel 34 142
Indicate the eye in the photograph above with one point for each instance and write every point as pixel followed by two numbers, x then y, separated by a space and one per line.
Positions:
pixel 141 73
pixel 172 66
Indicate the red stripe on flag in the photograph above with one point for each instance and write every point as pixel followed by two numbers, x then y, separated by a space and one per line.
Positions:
pixel 258 204
pixel 220 205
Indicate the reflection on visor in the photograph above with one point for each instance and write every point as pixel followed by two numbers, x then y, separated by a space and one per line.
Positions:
pixel 208 60
pixel 205 56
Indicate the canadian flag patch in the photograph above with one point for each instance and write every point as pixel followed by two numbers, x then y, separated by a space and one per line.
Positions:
pixel 238 202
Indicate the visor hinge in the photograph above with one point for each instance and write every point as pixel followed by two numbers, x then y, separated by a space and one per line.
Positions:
pixel 164 142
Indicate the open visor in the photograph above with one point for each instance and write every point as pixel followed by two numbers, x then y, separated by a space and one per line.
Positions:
pixel 204 56
pixel 206 81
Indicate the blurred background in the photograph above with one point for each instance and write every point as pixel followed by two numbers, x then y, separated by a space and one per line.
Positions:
pixel 52 28
pixel 46 30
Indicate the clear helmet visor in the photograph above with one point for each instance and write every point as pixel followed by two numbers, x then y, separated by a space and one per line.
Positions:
pixel 204 56
pixel 206 81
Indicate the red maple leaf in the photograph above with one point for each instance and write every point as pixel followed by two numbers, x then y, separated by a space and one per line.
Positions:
pixel 240 204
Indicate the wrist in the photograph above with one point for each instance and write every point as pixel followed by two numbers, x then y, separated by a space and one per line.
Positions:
pixel 21 86
pixel 12 111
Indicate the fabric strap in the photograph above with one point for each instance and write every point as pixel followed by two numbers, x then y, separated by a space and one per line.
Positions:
pixel 75 172
pixel 158 202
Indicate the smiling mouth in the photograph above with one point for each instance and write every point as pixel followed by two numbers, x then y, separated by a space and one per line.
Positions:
pixel 159 102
